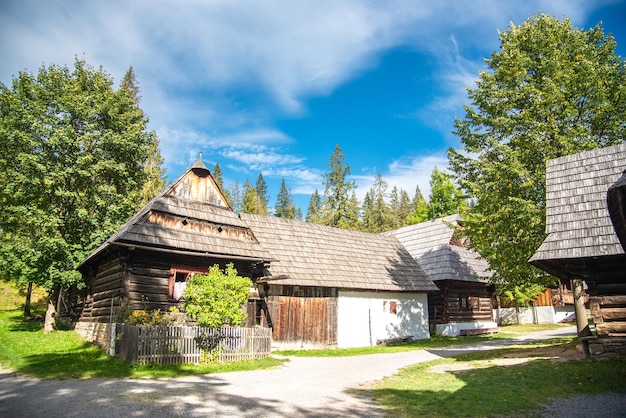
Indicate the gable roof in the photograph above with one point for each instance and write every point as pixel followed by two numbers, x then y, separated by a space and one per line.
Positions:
pixel 309 254
pixel 190 217
pixel 430 243
pixel 577 220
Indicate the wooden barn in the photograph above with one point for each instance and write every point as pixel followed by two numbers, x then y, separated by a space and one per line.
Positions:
pixel 462 306
pixel 582 242
pixel 184 230
pixel 331 287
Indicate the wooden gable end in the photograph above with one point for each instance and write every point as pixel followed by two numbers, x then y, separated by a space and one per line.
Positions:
pixel 198 184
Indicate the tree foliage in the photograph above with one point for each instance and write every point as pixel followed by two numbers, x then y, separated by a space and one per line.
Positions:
pixel 445 196
pixel 250 198
pixel 284 207
pixel 262 195
pixel 551 90
pixel 377 216
pixel 313 212
pixel 216 298
pixel 339 206
pixel 72 166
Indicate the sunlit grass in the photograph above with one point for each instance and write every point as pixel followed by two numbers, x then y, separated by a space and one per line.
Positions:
pixel 64 354
pixel 492 390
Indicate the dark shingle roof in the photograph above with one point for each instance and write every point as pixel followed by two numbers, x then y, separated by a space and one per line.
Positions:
pixel 314 255
pixel 430 244
pixel 190 216
pixel 577 219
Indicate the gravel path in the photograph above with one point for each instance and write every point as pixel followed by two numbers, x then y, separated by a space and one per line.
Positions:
pixel 304 387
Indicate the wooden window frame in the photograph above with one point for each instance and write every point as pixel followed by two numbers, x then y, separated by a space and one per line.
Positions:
pixel 174 272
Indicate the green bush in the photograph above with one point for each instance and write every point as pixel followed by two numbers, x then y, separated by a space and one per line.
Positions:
pixel 216 298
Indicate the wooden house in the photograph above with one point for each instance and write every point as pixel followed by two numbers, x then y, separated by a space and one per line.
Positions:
pixel 331 287
pixel 462 305
pixel 582 242
pixel 314 285
pixel 184 230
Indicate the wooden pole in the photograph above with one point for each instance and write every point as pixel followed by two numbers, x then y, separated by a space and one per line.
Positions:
pixel 582 323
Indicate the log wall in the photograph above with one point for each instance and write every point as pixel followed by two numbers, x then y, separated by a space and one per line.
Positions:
pixel 141 279
pixel 446 307
pixel 609 316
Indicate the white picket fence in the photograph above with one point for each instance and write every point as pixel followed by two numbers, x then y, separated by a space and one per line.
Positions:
pixel 191 344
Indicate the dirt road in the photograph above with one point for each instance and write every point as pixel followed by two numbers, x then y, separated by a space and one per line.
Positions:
pixel 304 387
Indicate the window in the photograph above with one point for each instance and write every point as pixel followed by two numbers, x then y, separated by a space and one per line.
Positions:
pixel 179 276
pixel 390 306
pixel 469 303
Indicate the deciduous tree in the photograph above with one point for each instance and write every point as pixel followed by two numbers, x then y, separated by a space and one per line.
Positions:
pixel 551 90
pixel 72 165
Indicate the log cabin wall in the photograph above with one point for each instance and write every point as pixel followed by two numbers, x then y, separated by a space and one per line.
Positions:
pixel 143 278
pixel 607 303
pixel 459 301
pixel 105 289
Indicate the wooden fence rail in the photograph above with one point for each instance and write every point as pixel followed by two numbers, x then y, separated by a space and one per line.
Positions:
pixel 191 344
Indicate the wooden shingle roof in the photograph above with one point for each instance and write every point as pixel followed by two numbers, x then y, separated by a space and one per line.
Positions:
pixel 190 217
pixel 431 244
pixel 577 220
pixel 314 255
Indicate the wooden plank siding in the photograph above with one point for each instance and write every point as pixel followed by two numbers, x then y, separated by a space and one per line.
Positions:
pixel 304 321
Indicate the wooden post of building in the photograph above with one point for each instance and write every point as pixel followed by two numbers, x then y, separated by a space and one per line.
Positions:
pixel 582 323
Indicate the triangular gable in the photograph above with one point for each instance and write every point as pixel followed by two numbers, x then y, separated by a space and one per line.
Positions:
pixel 198 184
pixel 191 216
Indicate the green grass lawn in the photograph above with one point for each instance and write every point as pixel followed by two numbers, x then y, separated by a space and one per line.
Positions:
pixel 64 354
pixel 475 385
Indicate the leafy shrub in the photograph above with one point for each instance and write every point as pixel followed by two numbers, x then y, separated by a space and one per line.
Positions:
pixel 216 298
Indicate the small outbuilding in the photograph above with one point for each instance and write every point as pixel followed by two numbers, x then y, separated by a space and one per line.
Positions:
pixel 462 305
pixel 582 242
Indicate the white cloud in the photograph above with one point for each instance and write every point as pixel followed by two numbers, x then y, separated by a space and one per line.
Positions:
pixel 193 59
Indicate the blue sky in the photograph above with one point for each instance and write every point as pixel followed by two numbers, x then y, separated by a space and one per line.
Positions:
pixel 272 86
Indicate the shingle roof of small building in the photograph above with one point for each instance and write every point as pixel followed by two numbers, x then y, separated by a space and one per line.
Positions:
pixel 309 254
pixel 577 222
pixel 430 244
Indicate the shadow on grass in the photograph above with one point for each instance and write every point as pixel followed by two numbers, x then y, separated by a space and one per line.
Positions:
pixel 498 390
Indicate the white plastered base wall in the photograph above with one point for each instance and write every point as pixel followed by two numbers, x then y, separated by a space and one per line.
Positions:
pixel 454 329
pixel 363 318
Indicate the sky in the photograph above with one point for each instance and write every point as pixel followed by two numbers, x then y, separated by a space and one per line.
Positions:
pixel 273 86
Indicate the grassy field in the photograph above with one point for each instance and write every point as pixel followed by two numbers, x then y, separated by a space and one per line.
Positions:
pixel 64 354
pixel 510 381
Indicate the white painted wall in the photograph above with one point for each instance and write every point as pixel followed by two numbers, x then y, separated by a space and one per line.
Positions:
pixel 453 329
pixel 537 315
pixel 364 317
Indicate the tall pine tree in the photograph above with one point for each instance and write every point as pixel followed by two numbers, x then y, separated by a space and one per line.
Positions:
pixel 284 207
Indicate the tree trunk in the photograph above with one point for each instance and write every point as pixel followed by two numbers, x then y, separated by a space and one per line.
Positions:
pixel 51 311
pixel 499 310
pixel 582 323
pixel 29 292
